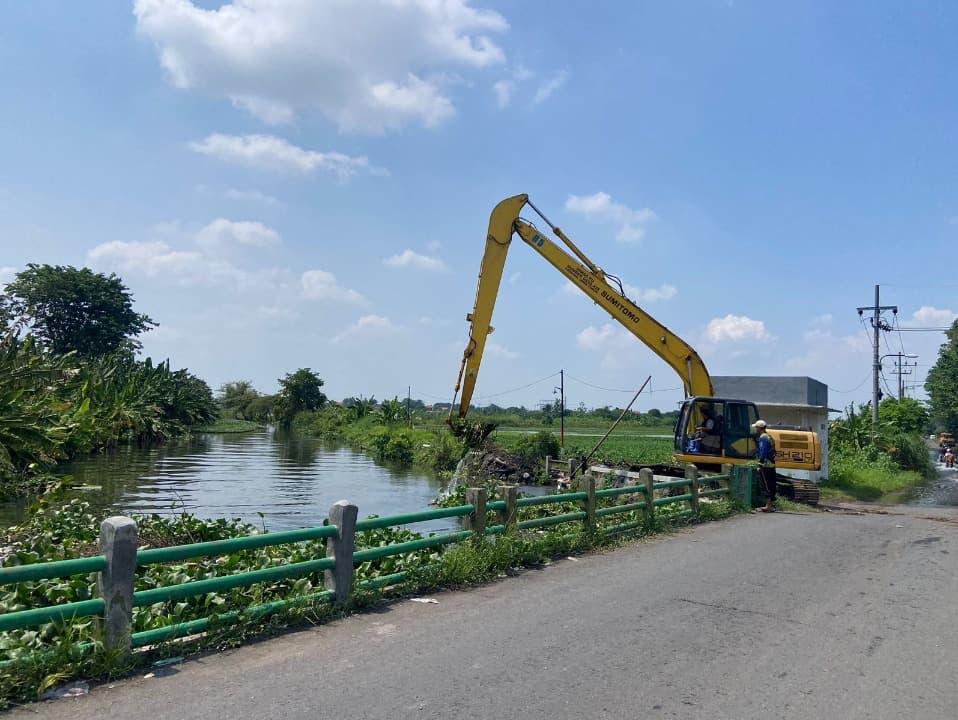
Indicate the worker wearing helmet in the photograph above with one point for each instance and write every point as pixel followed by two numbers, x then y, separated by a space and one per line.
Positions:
pixel 766 464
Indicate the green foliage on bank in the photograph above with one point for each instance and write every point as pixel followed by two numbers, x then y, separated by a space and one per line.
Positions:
pixel 54 407
pixel 69 381
pixel 869 463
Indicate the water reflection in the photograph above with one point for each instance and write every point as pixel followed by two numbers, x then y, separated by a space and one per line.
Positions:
pixel 292 480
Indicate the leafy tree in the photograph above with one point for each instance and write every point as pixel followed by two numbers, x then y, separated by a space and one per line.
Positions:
pixel 299 391
pixel 260 409
pixel 235 399
pixel 391 411
pixel 75 310
pixel 907 416
pixel 942 383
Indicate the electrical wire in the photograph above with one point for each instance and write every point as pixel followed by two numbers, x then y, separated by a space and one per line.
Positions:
pixel 901 342
pixel 845 392
pixel 517 389
pixel 621 390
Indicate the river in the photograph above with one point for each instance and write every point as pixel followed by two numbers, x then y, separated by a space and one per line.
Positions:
pixel 291 480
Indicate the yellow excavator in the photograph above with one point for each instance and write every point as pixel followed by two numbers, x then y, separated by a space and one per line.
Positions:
pixel 709 431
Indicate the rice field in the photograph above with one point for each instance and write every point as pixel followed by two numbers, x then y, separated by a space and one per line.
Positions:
pixel 632 446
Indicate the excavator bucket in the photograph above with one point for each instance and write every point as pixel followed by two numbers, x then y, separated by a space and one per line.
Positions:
pixel 473 433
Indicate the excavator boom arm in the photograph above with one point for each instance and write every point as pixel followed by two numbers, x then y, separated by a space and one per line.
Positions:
pixel 586 276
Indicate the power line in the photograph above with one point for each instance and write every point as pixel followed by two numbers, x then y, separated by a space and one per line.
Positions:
pixel 845 392
pixel 621 390
pixel 517 389
pixel 924 329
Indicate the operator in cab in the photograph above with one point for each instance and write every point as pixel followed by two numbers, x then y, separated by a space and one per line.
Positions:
pixel 766 464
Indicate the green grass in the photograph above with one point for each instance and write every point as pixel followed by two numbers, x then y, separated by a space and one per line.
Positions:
pixel 621 447
pixel 867 475
pixel 229 426
pixel 870 484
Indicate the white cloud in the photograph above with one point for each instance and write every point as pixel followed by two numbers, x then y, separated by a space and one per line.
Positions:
pixel 223 234
pixel 735 328
pixel 252 196
pixel 630 224
pixel 245 196
pixel 617 346
pixel 503 91
pixel 368 327
pixel 150 258
pixel 411 259
pixel 494 349
pixel 268 152
pixel 322 286
pixel 651 295
pixel 506 88
pixel 185 268
pixel 549 86
pixel 7 274
pixel 828 353
pixel 593 338
pixel 927 316
pixel 367 66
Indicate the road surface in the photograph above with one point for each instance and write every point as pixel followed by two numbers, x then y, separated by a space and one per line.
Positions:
pixel 831 615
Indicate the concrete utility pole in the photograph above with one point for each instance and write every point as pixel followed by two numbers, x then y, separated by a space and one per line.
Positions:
pixel 561 390
pixel 899 371
pixel 877 324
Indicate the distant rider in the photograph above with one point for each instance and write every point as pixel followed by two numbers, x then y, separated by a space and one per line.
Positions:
pixel 766 464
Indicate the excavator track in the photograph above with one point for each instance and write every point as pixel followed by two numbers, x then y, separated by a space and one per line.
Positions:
pixel 801 491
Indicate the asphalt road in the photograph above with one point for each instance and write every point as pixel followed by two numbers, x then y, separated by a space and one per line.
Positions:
pixel 762 616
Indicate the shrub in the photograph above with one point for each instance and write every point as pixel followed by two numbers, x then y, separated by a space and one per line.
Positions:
pixel 537 447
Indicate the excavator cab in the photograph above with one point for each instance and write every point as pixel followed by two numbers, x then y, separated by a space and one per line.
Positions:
pixel 711 431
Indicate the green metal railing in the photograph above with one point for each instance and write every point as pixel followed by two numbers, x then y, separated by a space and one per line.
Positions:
pixel 115 606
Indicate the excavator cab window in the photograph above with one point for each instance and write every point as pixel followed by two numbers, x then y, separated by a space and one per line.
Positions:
pixel 700 427
pixel 739 440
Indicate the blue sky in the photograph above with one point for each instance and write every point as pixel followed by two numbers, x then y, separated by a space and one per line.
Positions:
pixel 308 183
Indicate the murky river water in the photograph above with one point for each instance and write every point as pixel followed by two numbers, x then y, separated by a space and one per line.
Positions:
pixel 291 480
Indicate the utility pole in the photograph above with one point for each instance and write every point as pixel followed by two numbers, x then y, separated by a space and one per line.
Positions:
pixel 561 390
pixel 408 398
pixel 900 371
pixel 877 325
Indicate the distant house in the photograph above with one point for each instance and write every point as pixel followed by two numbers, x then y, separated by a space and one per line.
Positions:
pixel 790 402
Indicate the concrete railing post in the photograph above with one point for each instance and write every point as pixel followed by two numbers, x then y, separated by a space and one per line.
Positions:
pixel 587 485
pixel 118 538
pixel 343 515
pixel 509 515
pixel 740 485
pixel 648 479
pixel 692 475
pixel 727 472
pixel 476 521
